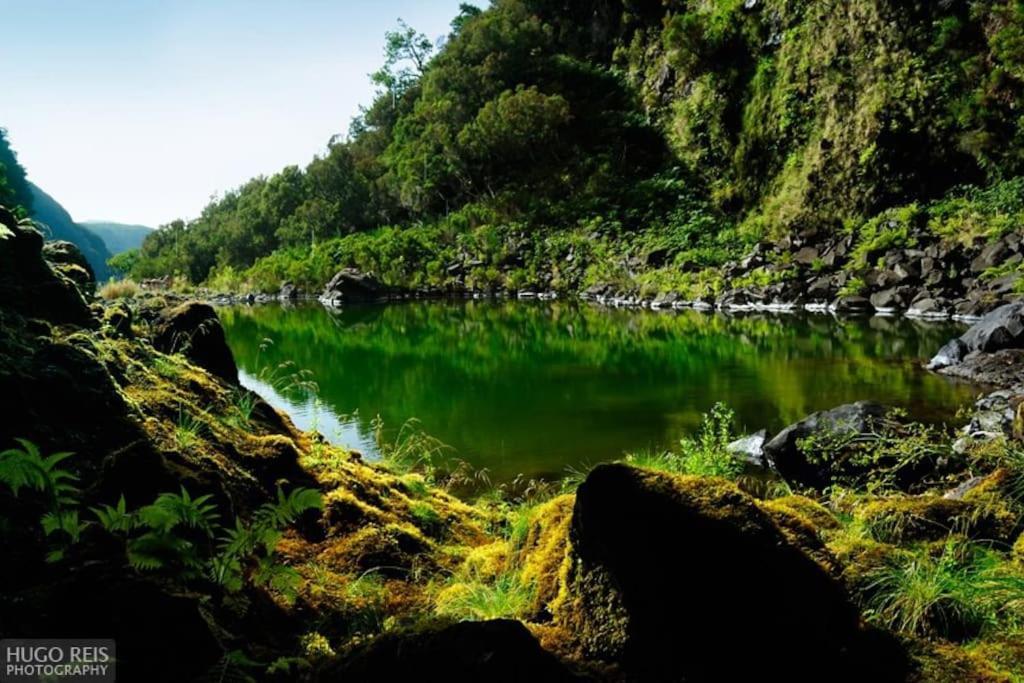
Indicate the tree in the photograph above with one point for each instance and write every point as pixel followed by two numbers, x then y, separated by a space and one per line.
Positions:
pixel 406 53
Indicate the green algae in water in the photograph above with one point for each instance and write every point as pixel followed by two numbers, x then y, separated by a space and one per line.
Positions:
pixel 534 388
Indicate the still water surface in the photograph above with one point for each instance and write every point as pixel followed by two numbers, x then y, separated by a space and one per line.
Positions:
pixel 534 388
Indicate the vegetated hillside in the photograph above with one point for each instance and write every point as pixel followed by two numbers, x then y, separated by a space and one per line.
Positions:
pixel 60 226
pixel 14 190
pixel 119 237
pixel 553 144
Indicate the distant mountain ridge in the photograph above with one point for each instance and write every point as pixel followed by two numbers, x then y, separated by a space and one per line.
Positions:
pixel 119 237
pixel 58 225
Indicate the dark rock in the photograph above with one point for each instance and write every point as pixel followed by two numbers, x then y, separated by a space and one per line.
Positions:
pixel 821 289
pixel 119 317
pixel 991 256
pixel 656 258
pixel 29 285
pixel 502 651
pixel 1003 328
pixel 783 453
pixel 194 330
pixel 890 299
pixel 71 262
pixel 288 292
pixel 999 369
pixel 664 569
pixel 806 256
pixel 851 304
pixel 353 286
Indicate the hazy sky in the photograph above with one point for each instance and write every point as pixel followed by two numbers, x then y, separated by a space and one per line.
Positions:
pixel 139 110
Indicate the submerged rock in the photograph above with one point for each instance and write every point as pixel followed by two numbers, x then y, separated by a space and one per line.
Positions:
pixel 194 330
pixel 783 452
pixel 500 651
pixel 668 568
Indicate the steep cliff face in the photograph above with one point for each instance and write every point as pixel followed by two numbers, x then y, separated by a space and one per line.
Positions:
pixel 805 114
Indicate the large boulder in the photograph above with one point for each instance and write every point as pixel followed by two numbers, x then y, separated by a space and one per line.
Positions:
pixel 29 285
pixel 500 651
pixel 71 262
pixel 353 286
pixel 194 330
pixel 783 452
pixel 686 578
pixel 1001 329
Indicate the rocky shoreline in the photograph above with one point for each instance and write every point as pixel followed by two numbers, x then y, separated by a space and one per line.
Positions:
pixel 923 276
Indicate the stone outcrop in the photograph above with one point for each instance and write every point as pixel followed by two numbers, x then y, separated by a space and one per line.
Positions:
pixel 194 330
pixel 667 570
pixel 353 286
pixel 783 452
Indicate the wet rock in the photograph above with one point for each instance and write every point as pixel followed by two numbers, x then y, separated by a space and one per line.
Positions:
pixel 665 567
pixel 194 330
pixel 501 650
pixel 783 453
pixel 353 286
pixel 849 305
pixel 1000 369
pixel 1003 328
pixel 890 299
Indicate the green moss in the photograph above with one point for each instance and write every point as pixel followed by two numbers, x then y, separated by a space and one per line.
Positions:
pixel 929 517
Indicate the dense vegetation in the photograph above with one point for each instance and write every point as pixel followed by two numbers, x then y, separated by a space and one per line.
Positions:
pixel 550 145
pixel 14 190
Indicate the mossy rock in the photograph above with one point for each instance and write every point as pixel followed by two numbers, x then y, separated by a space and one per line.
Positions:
pixel 816 514
pixel 545 553
pixel 1018 549
pixel 931 517
pixel 193 329
pixel 391 550
pixel 500 651
pixel 663 565
pixel 948 663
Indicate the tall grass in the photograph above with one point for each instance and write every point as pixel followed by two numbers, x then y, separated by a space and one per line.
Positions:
pixel 119 289
pixel 505 597
pixel 958 594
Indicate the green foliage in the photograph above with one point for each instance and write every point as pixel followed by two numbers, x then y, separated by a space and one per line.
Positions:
pixel 26 468
pixel 506 597
pixel 14 189
pixel 962 592
pixel 181 536
pixel 705 454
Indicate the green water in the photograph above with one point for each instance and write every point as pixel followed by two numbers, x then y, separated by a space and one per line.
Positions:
pixel 534 388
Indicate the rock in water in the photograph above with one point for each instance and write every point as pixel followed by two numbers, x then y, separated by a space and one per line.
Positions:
pixel 194 330
pixel 686 578
pixel 786 458
pixel 1001 329
pixel 498 651
pixel 353 286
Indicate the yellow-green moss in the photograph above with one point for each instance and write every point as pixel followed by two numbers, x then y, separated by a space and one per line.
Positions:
pixel 546 550
pixel 904 519
pixel 811 511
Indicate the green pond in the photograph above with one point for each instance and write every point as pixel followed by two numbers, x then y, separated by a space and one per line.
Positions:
pixel 534 388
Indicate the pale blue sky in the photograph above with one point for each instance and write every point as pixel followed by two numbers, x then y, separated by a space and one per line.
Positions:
pixel 139 110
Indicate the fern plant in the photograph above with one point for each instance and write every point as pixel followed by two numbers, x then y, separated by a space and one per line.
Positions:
pixel 181 535
pixel 27 468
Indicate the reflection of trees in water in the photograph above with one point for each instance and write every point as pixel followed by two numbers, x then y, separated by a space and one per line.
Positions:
pixel 604 379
